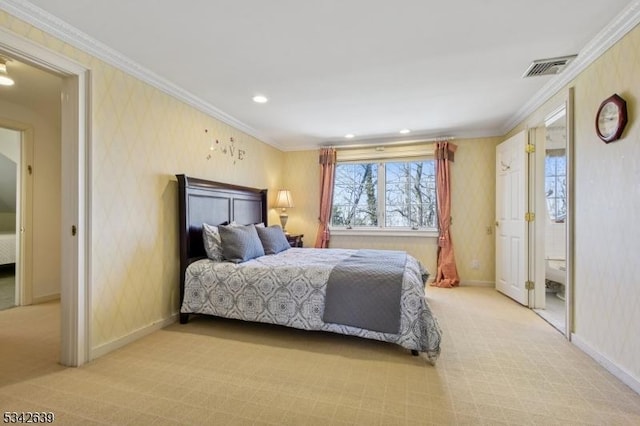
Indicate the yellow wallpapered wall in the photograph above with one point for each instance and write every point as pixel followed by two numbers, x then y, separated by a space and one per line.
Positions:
pixel 141 138
pixel 607 199
pixel 301 175
pixel 473 206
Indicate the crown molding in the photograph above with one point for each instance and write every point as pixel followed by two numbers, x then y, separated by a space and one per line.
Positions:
pixel 361 142
pixel 607 37
pixel 58 28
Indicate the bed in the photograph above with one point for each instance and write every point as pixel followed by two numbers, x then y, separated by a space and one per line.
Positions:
pixel 7 248
pixel 288 288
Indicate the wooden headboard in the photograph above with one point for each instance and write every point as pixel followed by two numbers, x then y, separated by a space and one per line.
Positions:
pixel 203 201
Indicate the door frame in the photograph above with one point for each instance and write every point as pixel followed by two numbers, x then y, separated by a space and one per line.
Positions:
pixel 569 222
pixel 76 196
pixel 540 206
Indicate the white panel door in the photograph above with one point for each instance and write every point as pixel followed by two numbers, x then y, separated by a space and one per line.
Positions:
pixel 511 226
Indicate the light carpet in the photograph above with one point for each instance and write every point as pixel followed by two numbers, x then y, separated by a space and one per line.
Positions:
pixel 500 364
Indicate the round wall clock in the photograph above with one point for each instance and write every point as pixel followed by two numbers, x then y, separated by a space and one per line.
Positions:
pixel 611 118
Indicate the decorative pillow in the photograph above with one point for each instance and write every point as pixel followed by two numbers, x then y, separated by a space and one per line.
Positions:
pixel 273 239
pixel 212 243
pixel 240 243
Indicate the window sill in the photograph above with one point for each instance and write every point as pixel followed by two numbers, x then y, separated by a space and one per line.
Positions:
pixel 383 233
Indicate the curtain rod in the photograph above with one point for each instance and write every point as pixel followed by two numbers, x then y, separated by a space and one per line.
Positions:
pixel 374 144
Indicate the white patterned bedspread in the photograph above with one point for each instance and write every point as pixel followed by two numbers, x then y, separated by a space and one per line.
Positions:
pixel 289 289
pixel 7 248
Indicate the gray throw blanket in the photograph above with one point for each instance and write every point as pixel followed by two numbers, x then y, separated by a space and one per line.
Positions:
pixel 364 291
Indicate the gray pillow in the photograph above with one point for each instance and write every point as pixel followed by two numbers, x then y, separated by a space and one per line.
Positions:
pixel 240 243
pixel 273 239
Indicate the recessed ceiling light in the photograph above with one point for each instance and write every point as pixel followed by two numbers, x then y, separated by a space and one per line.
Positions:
pixel 260 99
pixel 350 136
pixel 405 131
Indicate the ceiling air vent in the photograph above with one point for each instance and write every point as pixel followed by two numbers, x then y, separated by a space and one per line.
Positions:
pixel 549 66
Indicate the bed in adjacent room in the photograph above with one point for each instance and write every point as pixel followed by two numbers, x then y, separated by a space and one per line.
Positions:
pixel 372 294
pixel 7 248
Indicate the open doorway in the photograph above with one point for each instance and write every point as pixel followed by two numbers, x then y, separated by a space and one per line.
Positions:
pixel 553 219
pixel 533 217
pixel 9 214
pixel 30 113
pixel 552 199
pixel 73 226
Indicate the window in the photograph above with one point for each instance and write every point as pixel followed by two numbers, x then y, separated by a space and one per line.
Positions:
pixel 555 182
pixel 395 194
pixel 410 194
pixel 355 195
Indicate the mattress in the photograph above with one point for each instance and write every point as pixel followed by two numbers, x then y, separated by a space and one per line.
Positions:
pixel 289 289
pixel 7 248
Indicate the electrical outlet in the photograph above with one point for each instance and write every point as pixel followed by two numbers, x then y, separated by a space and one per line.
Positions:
pixel 475 264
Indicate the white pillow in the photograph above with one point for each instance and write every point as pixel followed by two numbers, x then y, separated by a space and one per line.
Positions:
pixel 212 242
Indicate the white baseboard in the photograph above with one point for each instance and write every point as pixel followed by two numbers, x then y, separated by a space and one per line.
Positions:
pixel 44 299
pixel 104 349
pixel 469 283
pixel 475 283
pixel 611 367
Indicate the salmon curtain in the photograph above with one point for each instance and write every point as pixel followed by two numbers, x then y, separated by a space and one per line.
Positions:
pixel 447 274
pixel 327 177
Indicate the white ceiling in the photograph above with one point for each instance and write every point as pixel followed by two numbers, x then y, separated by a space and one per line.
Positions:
pixel 332 67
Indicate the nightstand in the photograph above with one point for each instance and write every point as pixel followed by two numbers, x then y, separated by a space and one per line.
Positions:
pixel 295 240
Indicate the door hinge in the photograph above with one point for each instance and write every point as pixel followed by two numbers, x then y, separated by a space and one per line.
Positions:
pixel 529 148
pixel 529 285
pixel 529 217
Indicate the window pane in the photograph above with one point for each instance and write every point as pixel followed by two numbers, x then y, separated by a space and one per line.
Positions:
pixel 556 184
pixel 355 195
pixel 397 196
pixel 561 166
pixel 410 199
pixel 550 166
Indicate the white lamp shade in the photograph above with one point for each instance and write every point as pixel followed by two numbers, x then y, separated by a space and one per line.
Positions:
pixel 284 199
